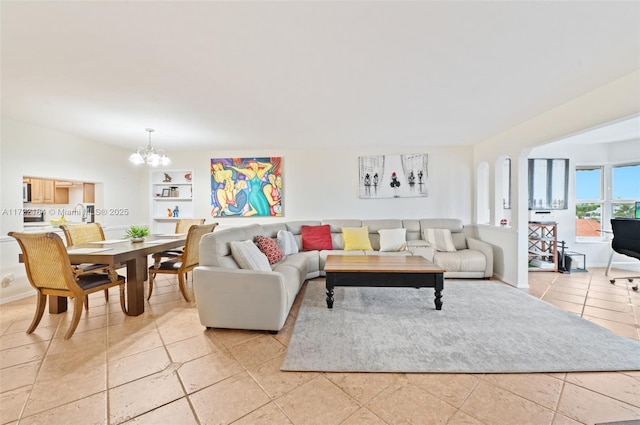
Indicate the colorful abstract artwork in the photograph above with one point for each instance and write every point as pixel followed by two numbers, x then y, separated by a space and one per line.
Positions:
pixel 393 176
pixel 244 187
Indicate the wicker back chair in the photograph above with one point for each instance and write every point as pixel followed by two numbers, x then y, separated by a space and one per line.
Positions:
pixel 187 261
pixel 182 226
pixel 80 234
pixel 50 272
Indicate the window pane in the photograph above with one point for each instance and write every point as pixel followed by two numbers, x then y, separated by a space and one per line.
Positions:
pixel 539 183
pixel 588 220
pixel 558 183
pixel 588 183
pixel 623 210
pixel 626 182
pixel 506 184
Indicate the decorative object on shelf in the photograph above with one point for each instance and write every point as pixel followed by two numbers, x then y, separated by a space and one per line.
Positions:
pixel 167 178
pixel 504 222
pixel 243 187
pixel 176 211
pixel 187 177
pixel 166 192
pixel 395 169
pixel 174 191
pixel 149 154
pixel 169 212
pixel 137 233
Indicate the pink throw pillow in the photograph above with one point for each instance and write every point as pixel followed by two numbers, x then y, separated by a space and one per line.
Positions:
pixel 270 248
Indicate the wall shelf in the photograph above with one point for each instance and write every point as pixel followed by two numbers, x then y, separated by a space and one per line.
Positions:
pixel 543 247
pixel 181 187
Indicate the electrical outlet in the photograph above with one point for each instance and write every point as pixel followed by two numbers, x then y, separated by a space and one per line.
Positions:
pixel 6 281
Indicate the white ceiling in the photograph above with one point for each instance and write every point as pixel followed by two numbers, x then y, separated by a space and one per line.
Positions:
pixel 299 74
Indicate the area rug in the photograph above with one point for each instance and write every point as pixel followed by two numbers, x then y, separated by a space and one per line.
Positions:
pixel 483 327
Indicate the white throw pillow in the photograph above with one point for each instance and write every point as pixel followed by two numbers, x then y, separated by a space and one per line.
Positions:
pixel 287 242
pixel 248 256
pixel 440 239
pixel 393 239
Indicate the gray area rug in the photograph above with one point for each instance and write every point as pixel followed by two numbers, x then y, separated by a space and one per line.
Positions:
pixel 483 327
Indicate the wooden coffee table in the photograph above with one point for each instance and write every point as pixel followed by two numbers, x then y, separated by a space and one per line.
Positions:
pixel 410 271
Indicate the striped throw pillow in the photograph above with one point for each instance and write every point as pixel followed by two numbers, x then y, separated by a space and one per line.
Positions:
pixel 439 239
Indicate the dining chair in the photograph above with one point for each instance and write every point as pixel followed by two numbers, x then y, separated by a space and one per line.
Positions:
pixel 50 272
pixel 626 241
pixel 182 227
pixel 182 263
pixel 79 234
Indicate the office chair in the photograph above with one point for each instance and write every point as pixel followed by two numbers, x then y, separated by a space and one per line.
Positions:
pixel 626 241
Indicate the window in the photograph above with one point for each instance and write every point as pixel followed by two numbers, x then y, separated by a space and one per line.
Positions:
pixel 625 190
pixel 548 184
pixel 589 201
pixel 506 184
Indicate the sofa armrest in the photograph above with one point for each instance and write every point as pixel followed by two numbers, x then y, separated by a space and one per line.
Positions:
pixel 241 299
pixel 486 249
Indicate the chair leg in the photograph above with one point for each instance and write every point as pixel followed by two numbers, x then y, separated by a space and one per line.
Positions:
pixel 151 276
pixel 77 312
pixel 106 295
pixel 41 303
pixel 123 306
pixel 86 302
pixel 183 290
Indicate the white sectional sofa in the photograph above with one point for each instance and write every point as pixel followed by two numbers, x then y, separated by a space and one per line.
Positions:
pixel 229 296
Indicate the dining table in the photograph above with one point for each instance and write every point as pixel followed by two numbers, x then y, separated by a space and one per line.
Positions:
pixel 118 251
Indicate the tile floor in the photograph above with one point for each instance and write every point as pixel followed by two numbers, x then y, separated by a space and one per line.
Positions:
pixel 164 368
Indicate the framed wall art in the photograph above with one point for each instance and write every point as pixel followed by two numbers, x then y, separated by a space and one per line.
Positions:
pixel 244 187
pixel 393 176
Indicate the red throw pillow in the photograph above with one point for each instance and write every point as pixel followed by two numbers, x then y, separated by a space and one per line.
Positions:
pixel 316 237
pixel 270 248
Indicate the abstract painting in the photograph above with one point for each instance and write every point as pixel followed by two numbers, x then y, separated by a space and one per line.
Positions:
pixel 244 187
pixel 392 176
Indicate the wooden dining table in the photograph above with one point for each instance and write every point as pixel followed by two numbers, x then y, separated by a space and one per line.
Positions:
pixel 118 251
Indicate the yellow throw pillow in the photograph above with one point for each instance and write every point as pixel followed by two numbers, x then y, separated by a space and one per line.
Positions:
pixel 356 238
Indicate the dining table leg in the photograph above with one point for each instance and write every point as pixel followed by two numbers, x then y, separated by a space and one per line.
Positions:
pixel 57 304
pixel 136 272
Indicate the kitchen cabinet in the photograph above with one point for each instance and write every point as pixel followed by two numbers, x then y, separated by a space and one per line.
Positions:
pixel 88 193
pixel 543 247
pixel 42 191
pixel 171 191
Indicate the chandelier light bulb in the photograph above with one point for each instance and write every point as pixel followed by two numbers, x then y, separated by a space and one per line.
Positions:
pixel 149 154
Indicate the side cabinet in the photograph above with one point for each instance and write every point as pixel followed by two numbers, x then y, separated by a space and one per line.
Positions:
pixel 543 247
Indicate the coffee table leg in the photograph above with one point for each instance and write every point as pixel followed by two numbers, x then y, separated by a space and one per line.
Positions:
pixel 329 297
pixel 438 299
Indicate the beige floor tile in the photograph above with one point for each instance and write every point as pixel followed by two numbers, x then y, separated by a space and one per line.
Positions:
pixel 275 382
pixel 566 306
pixel 18 376
pixel 208 370
pixel 622 329
pixel 563 296
pixel 232 337
pixel 493 405
pixel 23 354
pixel 124 345
pixel 136 366
pixel 614 316
pixel 194 347
pixel 619 386
pixel 135 398
pixel 589 407
pixel 563 420
pixel 269 414
pixel 12 402
pixel 91 410
pixel 608 296
pixel 17 339
pixel 54 392
pixel 454 388
pixel 406 403
pixel 174 413
pixel 461 418
pixel 363 416
pixel 362 386
pixel 257 350
pixel 536 387
pixel 610 305
pixel 317 402
pixel 228 400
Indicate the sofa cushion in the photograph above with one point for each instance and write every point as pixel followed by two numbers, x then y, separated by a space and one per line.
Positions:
pixel 287 242
pixel 356 238
pixel 440 239
pixel 270 248
pixel 316 237
pixel 248 256
pixel 466 260
pixel 393 240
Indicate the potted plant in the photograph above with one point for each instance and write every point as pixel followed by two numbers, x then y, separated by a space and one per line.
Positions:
pixel 137 233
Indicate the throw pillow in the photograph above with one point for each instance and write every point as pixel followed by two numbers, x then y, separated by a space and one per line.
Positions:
pixel 248 256
pixel 287 242
pixel 270 248
pixel 393 239
pixel 356 238
pixel 440 239
pixel 316 237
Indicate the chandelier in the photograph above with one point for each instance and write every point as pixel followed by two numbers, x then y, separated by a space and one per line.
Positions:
pixel 149 154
